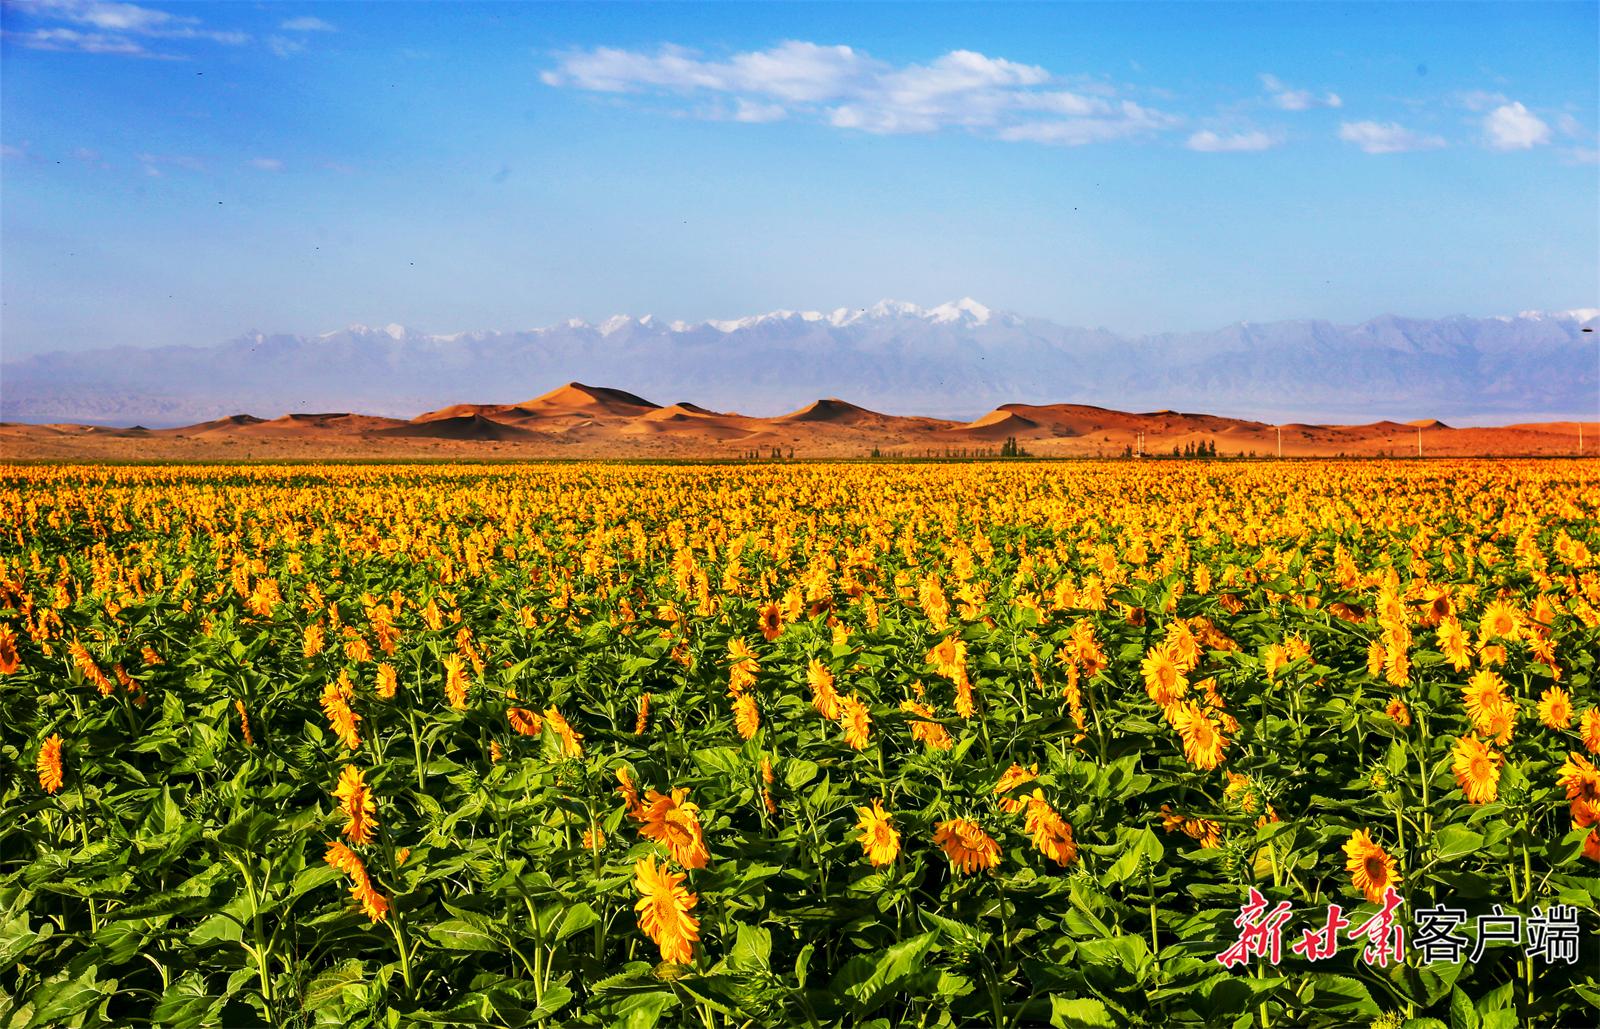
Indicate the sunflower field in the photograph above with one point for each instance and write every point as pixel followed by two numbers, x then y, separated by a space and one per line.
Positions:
pixel 868 744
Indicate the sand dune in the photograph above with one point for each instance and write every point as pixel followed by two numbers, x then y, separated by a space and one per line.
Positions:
pixel 837 412
pixel 576 420
pixel 463 427
pixel 998 425
pixel 597 401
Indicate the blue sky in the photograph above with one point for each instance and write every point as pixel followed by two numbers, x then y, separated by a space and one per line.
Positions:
pixel 183 172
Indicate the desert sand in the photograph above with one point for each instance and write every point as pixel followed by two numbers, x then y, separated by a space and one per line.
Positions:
pixel 578 421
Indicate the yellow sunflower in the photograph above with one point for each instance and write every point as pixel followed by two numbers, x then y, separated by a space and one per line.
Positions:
pixel 1371 869
pixel 664 907
pixel 1477 769
pixel 1202 742
pixel 878 837
pixel 1555 708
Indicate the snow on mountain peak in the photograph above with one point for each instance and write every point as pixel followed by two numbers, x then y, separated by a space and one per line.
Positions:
pixel 955 312
pixel 613 323
pixel 1582 314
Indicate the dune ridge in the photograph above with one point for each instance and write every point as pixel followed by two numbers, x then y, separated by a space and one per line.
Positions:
pixel 582 421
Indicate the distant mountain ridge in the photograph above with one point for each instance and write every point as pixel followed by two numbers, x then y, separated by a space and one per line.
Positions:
pixel 955 360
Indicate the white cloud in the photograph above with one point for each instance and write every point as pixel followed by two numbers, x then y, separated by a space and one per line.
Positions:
pixel 307 24
pixel 749 112
pixel 1288 99
pixel 1478 100
pixel 113 16
pixel 1514 127
pixel 1209 142
pixel 116 23
pixel 283 46
pixel 849 89
pixel 1580 155
pixel 1389 138
pixel 89 158
pixel 267 163
pixel 1571 127
pixel 150 162
pixel 83 42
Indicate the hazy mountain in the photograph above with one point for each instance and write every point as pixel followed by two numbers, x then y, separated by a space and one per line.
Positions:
pixel 956 360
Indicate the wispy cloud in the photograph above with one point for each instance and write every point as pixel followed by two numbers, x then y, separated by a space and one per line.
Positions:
pixel 89 158
pixel 1514 127
pixel 152 162
pixel 1479 100
pixel 1288 99
pixel 114 28
pixel 1572 127
pixel 1388 138
pixel 1209 142
pixel 307 24
pixel 266 163
pixel 282 46
pixel 1580 155
pixel 846 88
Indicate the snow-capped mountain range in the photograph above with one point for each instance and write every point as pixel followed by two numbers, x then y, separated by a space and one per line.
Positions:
pixel 956 360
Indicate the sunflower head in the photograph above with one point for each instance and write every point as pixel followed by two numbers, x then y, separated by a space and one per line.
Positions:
pixel 1371 869
pixel 1477 769
pixel 878 837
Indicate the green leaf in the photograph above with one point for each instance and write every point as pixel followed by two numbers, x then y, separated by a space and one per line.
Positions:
pixel 869 980
pixel 1501 997
pixel 219 928
pixel 802 963
pixel 16 939
pixel 1079 1014
pixel 640 1010
pixel 797 772
pixel 555 998
pixel 578 918
pixel 1462 1014
pixel 186 1003
pixel 59 1002
pixel 960 934
pixel 1455 842
pixel 454 934
pixel 327 989
pixel 718 761
pixel 176 902
pixel 313 876
pixel 1344 995
pixel 249 831
pixel 752 949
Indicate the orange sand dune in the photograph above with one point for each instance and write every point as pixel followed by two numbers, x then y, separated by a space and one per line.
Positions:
pixel 837 412
pixel 576 420
pixel 998 425
pixel 596 401
pixel 508 411
pixel 466 427
pixel 231 424
pixel 342 423
pixel 1591 430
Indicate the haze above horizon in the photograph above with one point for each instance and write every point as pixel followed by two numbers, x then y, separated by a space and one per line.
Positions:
pixel 176 173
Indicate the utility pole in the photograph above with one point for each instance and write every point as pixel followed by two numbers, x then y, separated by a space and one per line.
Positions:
pixel 1280 442
pixel 1419 441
